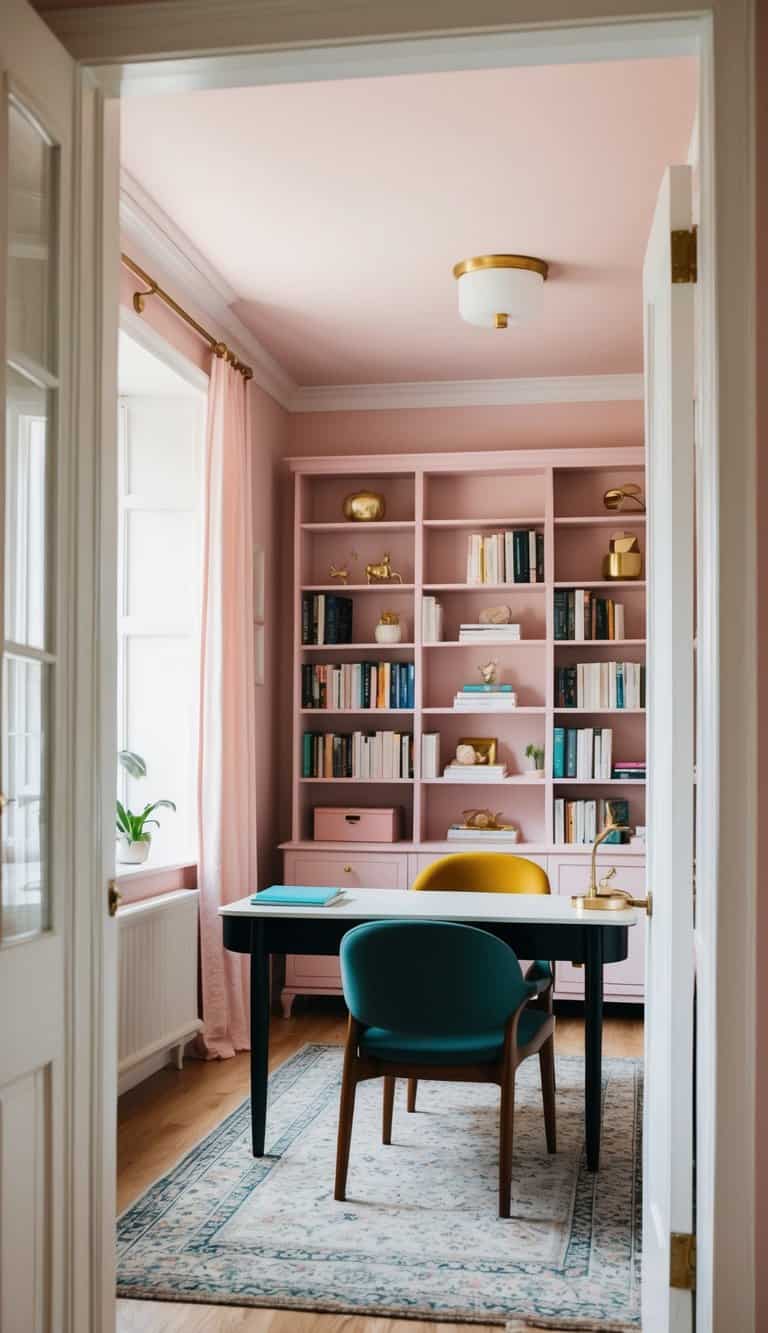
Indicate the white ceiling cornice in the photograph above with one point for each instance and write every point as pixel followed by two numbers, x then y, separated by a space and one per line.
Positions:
pixel 196 284
pixel 469 393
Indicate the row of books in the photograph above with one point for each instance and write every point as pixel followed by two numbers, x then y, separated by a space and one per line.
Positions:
pixel 325 618
pixel 583 752
pixel 477 633
pixel 579 615
pixel 363 754
pixel 489 698
pixel 431 620
pixel 357 685
pixel 581 821
pixel 514 556
pixel 600 685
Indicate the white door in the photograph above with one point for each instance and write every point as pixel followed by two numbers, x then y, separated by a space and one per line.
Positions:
pixel 50 820
pixel 669 391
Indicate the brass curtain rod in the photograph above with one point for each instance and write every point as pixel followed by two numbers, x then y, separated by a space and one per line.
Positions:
pixel 154 289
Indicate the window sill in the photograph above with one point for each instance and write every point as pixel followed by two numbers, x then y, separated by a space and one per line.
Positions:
pixel 135 883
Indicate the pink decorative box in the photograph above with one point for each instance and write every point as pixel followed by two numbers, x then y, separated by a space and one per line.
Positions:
pixel 347 823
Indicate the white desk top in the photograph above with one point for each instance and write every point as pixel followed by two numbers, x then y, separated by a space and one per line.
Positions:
pixel 440 905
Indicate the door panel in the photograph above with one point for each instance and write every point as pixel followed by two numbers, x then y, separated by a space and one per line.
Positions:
pixel 669 395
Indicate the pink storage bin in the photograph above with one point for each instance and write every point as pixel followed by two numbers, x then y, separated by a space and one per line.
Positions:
pixel 349 823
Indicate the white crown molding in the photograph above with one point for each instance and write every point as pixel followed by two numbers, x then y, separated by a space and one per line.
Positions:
pixel 196 284
pixel 469 393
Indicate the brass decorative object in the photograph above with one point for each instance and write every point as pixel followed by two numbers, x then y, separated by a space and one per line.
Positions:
pixel 341 574
pixel 599 897
pixel 621 498
pixel 488 671
pixel 388 629
pixel 495 615
pixel 486 820
pixel 382 572
pixel 484 748
pixel 624 560
pixel 364 507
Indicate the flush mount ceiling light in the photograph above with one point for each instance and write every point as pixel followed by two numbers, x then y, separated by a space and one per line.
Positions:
pixel 499 291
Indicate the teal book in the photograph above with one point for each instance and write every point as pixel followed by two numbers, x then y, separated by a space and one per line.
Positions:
pixel 296 895
pixel 487 689
pixel 558 753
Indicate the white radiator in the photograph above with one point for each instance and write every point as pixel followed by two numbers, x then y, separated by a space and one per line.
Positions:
pixel 157 1005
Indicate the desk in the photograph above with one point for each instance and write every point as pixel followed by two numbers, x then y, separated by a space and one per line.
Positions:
pixel 535 925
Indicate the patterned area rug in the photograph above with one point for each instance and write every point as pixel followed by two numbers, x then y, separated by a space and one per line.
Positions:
pixel 419 1235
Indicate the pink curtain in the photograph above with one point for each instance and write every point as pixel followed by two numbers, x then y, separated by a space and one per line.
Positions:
pixel 227 861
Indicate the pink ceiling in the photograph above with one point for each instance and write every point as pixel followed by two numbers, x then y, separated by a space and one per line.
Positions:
pixel 336 210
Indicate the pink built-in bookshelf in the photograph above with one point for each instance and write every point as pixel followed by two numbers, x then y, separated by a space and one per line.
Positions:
pixel 433 503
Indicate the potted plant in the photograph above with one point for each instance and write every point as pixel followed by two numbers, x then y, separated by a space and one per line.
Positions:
pixel 133 837
pixel 536 755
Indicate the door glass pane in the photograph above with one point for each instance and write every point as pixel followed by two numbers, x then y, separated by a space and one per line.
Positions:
pixel 24 819
pixel 31 242
pixel 25 511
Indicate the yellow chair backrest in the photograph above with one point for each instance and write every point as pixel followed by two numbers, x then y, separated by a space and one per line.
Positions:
pixel 484 872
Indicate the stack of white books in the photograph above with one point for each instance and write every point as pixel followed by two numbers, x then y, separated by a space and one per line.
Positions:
pixel 474 632
pixel 475 772
pixel 491 701
pixel 460 833
pixel 431 620
pixel 430 754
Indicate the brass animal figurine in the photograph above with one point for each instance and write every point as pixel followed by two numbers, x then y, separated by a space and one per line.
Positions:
pixel 484 819
pixel 488 671
pixel 341 574
pixel 382 572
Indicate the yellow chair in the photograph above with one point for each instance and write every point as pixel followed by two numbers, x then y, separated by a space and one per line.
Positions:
pixel 490 872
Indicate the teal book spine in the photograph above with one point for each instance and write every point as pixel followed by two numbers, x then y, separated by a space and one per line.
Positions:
pixel 486 689
pixel 558 753
pixel 571 751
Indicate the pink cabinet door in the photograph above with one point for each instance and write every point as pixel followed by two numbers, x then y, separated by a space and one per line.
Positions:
pixel 623 981
pixel 318 974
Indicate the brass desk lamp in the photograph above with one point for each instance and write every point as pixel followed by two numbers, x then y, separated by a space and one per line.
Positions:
pixel 600 898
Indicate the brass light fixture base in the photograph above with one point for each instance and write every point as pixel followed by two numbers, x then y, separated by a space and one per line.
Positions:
pixel 618 901
pixel 529 262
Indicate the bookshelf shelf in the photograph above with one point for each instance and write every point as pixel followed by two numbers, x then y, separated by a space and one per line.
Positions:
pixel 470 523
pixel 487 587
pixel 353 647
pixel 398 525
pixel 355 712
pixel 373 782
pixel 434 504
pixel 342 589
pixel 602 521
pixel 616 584
pixel 490 643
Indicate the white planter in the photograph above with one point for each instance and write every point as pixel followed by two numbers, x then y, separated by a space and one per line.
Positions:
pixel 132 853
pixel 388 633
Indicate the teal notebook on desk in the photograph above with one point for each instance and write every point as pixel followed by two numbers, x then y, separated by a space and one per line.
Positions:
pixel 296 895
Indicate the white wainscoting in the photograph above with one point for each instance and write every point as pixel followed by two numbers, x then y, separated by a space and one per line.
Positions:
pixel 157 1004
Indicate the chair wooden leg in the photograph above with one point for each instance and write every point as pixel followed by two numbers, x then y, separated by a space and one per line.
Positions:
pixel 346 1116
pixel 410 1100
pixel 389 1103
pixel 506 1141
pixel 547 1067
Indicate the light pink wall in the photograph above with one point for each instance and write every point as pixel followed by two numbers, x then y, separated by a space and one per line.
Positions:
pixel 268 435
pixel 761 1054
pixel 444 429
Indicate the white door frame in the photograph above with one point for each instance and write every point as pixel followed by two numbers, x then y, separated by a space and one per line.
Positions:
pixel 237 42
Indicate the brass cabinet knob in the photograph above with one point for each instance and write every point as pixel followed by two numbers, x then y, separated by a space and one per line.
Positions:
pixel 347 870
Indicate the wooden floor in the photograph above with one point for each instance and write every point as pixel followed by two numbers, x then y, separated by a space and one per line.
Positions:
pixel 163 1118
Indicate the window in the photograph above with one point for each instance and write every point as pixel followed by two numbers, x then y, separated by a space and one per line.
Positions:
pixel 160 454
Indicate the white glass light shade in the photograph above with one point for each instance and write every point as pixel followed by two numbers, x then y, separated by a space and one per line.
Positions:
pixel 499 297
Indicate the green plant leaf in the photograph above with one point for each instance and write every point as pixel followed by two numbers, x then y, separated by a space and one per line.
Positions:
pixel 123 818
pixel 159 805
pixel 133 763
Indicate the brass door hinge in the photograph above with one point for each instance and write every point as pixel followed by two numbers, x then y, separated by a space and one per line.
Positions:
pixel 682 1261
pixel 113 898
pixel 684 256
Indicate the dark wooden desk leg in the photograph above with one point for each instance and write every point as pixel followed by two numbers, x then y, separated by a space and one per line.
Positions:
pixel 593 1044
pixel 259 1037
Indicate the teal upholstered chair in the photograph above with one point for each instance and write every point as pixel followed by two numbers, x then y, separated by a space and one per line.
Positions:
pixel 436 1000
